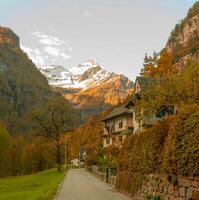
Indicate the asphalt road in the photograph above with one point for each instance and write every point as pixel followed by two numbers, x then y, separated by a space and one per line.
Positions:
pixel 81 185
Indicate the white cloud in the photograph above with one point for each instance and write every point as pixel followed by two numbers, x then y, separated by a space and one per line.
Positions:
pixel 87 13
pixel 34 55
pixel 48 50
pixel 48 41
pixel 52 51
pixel 51 40
pixel 57 52
pixel 65 56
pixel 26 49
pixel 70 48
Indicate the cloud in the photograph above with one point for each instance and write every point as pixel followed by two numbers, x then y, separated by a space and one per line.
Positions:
pixel 56 52
pixel 34 55
pixel 65 56
pixel 87 13
pixel 52 51
pixel 48 50
pixel 51 40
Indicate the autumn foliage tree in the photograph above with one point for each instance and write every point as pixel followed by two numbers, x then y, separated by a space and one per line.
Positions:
pixel 56 118
pixel 158 65
pixel 149 66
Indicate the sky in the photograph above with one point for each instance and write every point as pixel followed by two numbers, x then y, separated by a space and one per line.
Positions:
pixel 115 33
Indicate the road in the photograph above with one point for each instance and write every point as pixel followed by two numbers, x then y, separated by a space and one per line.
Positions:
pixel 81 185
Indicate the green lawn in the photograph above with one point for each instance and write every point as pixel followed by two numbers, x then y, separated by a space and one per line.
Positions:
pixel 40 186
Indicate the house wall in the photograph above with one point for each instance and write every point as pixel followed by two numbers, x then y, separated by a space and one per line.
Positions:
pixel 137 87
pixel 118 121
pixel 136 125
pixel 114 138
pixel 129 122
pixel 105 144
pixel 115 122
pixel 145 120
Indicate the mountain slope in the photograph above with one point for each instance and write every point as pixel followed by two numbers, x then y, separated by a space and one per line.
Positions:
pixel 183 43
pixel 22 86
pixel 105 95
pixel 88 86
pixel 86 75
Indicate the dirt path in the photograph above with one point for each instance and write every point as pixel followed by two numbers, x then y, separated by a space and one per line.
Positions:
pixel 81 185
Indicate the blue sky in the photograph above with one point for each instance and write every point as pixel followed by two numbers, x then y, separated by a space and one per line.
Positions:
pixel 116 33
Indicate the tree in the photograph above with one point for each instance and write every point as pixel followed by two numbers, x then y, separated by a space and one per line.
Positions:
pixel 51 121
pixel 5 143
pixel 165 65
pixel 149 66
pixel 158 65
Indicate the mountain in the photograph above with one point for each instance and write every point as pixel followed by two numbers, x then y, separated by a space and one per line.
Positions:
pixel 84 76
pixel 22 86
pixel 88 86
pixel 183 42
pixel 107 94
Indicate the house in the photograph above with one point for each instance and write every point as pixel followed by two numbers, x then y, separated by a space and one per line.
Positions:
pixel 75 162
pixel 128 119
pixel 117 125
pixel 82 156
pixel 141 119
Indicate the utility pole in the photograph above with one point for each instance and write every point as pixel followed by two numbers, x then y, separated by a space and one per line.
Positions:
pixel 65 154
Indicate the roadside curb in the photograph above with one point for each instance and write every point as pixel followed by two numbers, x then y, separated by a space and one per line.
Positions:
pixel 60 187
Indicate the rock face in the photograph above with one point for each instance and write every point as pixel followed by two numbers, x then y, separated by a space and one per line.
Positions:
pixel 109 93
pixel 8 37
pixel 183 43
pixel 188 30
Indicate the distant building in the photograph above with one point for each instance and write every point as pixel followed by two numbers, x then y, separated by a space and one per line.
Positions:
pixel 75 162
pixel 82 156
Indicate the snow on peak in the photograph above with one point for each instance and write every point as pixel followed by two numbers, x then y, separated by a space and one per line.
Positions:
pixel 86 75
pixel 81 68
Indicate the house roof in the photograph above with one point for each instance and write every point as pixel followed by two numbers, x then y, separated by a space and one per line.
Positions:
pixel 132 100
pixel 144 81
pixel 122 110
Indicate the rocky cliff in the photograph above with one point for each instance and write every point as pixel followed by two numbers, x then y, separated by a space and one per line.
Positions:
pixel 108 94
pixel 183 42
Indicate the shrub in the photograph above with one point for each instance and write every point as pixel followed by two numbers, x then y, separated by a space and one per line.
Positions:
pixel 171 147
pixel 141 155
pixel 152 197
pixel 181 151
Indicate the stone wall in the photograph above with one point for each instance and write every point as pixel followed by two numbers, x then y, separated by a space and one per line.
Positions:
pixel 169 188
pixel 102 177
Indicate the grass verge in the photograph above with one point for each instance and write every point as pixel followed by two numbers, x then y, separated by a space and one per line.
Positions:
pixel 40 186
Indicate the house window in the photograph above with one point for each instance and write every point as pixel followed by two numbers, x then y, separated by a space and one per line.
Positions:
pixel 121 125
pixel 112 129
pixel 107 140
pixel 108 129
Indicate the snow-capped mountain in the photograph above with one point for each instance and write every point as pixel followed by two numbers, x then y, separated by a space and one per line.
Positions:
pixel 86 75
pixel 49 53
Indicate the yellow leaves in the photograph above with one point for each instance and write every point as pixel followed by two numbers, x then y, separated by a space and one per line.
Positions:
pixel 159 66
